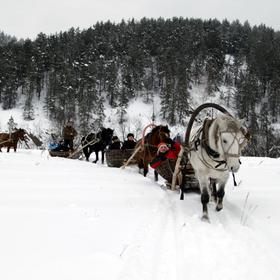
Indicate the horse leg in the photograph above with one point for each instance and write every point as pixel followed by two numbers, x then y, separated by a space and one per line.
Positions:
pixel 204 199
pixel 102 156
pixel 220 196
pixel 213 188
pixel 86 153
pixel 156 175
pixel 8 149
pixel 140 165
pixel 96 157
pixel 146 168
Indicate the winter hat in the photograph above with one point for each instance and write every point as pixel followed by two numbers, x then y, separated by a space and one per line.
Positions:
pixel 70 122
pixel 114 138
pixel 130 134
pixel 162 144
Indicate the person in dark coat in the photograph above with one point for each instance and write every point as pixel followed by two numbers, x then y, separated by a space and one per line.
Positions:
pixel 130 143
pixel 69 133
pixel 115 144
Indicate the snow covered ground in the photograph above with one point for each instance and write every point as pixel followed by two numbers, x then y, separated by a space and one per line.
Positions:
pixel 67 219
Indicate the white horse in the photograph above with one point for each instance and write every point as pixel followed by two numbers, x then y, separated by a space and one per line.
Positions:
pixel 215 149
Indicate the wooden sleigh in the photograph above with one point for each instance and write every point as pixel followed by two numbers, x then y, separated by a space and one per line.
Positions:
pixel 66 154
pixel 74 154
pixel 117 158
pixel 186 179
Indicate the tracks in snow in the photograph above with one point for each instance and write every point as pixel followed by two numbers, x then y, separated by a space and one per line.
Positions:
pixel 155 252
pixel 174 244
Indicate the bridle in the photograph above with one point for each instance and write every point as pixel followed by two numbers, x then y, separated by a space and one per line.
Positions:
pixel 235 138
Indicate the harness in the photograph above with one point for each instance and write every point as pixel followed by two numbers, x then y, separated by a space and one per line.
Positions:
pixel 201 139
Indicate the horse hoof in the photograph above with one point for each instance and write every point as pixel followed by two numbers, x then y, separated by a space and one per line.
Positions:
pixel 219 207
pixel 205 218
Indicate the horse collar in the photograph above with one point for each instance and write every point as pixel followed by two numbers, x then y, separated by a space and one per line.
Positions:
pixel 204 141
pixel 210 151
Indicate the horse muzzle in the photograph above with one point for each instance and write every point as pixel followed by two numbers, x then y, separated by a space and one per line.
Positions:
pixel 234 168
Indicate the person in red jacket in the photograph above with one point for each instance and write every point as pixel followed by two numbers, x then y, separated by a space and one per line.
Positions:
pixel 166 151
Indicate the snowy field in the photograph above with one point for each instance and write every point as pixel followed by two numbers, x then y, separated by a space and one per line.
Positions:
pixel 67 219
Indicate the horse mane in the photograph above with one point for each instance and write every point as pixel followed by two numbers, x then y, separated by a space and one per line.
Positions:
pixel 164 128
pixel 229 123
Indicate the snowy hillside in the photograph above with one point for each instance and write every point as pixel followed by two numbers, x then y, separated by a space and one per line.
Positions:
pixel 138 116
pixel 67 219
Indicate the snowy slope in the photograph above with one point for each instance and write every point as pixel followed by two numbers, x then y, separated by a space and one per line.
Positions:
pixel 70 219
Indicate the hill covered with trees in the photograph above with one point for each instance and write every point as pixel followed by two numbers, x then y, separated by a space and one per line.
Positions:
pixel 76 72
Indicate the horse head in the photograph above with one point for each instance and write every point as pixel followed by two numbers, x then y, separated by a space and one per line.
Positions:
pixel 159 134
pixel 105 135
pixel 226 136
pixel 20 134
pixel 164 133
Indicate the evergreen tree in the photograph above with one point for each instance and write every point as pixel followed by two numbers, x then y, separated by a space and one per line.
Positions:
pixel 11 124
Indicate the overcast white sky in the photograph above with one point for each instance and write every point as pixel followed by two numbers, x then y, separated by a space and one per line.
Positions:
pixel 27 18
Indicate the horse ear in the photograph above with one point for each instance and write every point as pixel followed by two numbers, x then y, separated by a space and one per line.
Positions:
pixel 167 128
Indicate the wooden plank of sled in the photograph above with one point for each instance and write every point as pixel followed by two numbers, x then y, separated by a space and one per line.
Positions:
pixel 176 170
pixel 132 156
pixel 92 142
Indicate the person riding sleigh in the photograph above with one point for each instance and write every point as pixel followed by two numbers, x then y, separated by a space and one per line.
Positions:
pixel 169 150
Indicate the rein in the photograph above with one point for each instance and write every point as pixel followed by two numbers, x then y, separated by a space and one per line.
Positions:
pixel 9 140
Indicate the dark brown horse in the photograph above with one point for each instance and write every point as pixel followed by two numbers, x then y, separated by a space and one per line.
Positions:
pixel 10 140
pixel 148 146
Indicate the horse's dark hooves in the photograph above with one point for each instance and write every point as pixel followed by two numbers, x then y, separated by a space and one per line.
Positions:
pixel 205 218
pixel 219 207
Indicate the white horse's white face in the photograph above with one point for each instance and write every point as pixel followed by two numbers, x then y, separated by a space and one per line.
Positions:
pixel 230 142
pixel 229 148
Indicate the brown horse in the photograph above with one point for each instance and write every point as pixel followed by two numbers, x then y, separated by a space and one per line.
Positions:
pixel 10 140
pixel 148 147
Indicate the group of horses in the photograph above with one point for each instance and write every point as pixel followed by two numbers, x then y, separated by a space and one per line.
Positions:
pixel 214 152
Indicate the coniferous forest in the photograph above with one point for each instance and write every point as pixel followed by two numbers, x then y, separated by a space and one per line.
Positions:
pixel 79 70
